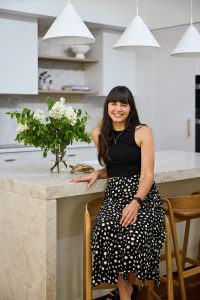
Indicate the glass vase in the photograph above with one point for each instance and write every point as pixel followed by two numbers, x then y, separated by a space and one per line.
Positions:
pixel 59 160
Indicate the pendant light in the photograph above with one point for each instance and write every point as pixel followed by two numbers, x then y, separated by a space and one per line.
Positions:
pixel 136 36
pixel 68 28
pixel 189 44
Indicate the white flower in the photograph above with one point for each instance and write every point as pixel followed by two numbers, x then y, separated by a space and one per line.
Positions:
pixel 22 128
pixel 58 110
pixel 62 100
pixel 71 115
pixel 39 115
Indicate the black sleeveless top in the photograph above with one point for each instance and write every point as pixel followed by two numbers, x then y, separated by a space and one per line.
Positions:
pixel 124 154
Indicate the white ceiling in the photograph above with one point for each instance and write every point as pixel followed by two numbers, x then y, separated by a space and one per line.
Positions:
pixel 112 13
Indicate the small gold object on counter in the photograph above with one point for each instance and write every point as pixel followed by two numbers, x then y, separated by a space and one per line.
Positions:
pixel 81 168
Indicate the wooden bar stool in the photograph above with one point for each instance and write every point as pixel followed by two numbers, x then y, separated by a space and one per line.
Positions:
pixel 91 211
pixel 198 256
pixel 179 209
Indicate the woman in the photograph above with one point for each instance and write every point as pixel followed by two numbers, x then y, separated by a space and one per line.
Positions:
pixel 129 232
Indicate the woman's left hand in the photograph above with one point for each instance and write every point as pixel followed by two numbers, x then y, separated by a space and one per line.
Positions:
pixel 129 214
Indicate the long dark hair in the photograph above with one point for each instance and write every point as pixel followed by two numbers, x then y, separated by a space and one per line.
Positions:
pixel 117 94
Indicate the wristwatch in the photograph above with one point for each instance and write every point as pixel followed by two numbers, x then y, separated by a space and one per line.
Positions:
pixel 139 200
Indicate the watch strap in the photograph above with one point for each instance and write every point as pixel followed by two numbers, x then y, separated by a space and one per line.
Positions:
pixel 139 200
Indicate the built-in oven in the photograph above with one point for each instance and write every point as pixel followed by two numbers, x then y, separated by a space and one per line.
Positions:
pixel 197 114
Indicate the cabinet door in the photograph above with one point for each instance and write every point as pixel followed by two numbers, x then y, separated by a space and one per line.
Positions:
pixel 18 55
pixel 114 68
pixel 166 89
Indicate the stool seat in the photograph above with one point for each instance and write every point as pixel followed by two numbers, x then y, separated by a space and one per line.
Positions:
pixel 186 213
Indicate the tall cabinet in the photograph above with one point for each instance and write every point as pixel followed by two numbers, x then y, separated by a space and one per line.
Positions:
pixel 166 89
pixel 18 55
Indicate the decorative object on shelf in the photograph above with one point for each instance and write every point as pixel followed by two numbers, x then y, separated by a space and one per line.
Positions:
pixel 137 36
pixel 51 85
pixel 189 44
pixel 68 28
pixel 53 132
pixel 43 80
pixel 75 87
pixel 80 50
pixel 81 168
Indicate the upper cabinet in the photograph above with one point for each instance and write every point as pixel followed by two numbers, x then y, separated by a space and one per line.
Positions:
pixel 18 55
pixel 114 68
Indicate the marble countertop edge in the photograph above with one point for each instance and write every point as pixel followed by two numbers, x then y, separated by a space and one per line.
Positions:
pixel 23 188
pixel 28 174
pixel 177 175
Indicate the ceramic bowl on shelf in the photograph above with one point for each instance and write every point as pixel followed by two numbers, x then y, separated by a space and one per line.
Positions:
pixel 80 50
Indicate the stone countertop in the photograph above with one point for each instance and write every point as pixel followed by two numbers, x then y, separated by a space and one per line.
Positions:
pixel 29 173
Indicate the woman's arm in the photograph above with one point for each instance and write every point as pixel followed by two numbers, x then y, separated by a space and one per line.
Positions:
pixel 144 139
pixel 97 174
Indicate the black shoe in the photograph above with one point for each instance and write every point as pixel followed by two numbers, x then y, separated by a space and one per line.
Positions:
pixel 113 295
pixel 135 292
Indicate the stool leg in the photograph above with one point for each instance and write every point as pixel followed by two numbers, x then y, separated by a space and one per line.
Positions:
pixel 170 291
pixel 185 243
pixel 150 286
pixel 198 257
pixel 177 256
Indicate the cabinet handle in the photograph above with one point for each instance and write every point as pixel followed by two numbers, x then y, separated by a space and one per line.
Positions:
pixel 188 127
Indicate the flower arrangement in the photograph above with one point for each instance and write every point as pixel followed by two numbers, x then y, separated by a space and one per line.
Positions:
pixel 59 128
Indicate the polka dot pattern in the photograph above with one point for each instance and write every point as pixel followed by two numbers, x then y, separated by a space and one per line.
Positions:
pixel 136 248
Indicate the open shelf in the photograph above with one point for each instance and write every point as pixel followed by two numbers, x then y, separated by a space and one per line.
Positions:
pixel 67 92
pixel 66 59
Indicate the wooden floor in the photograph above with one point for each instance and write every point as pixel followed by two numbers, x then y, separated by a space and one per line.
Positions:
pixel 192 290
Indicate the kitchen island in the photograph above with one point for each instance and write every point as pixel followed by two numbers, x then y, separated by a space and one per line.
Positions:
pixel 41 219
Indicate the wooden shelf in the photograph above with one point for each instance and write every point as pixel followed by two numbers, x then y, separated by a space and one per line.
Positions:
pixel 66 59
pixel 67 92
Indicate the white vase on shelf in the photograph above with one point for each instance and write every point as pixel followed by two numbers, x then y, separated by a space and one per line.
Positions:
pixel 80 50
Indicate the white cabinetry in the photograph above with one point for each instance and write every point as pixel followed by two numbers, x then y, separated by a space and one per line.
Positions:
pixel 166 90
pixel 18 55
pixel 115 67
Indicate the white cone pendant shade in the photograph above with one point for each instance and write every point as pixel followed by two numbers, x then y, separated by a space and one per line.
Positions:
pixel 68 28
pixel 136 35
pixel 189 44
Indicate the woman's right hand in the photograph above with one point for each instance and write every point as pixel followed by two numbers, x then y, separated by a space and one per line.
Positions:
pixel 90 178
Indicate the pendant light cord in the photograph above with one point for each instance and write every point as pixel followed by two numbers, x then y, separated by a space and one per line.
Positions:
pixel 137 7
pixel 191 12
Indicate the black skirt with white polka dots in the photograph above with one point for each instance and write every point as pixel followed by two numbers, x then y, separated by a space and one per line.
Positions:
pixel 136 248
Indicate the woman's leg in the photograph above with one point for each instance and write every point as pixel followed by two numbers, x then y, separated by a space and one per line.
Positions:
pixel 131 278
pixel 125 287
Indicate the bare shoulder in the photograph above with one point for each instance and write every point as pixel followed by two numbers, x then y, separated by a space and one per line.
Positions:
pixel 95 135
pixel 95 132
pixel 144 129
pixel 143 133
